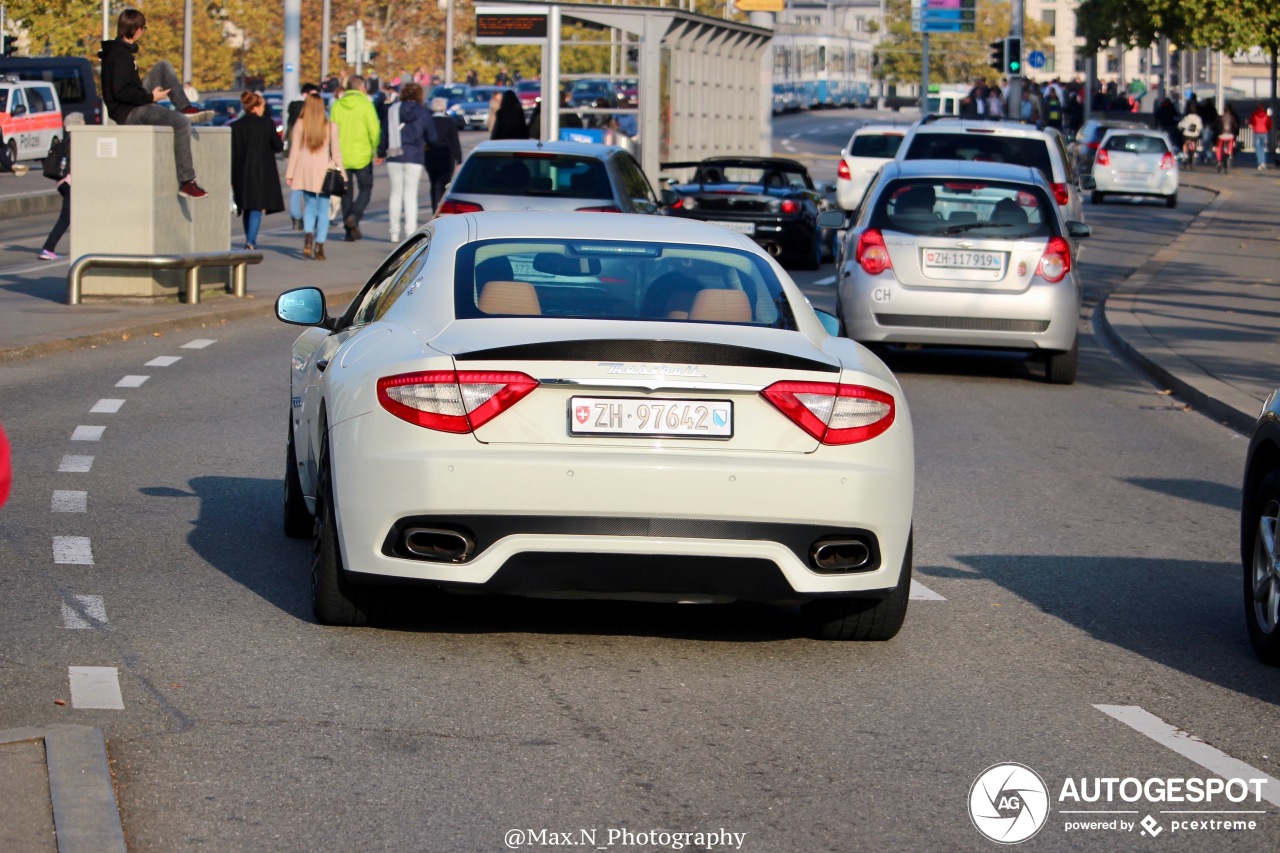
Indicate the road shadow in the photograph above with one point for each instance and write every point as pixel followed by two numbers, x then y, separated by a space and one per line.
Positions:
pixel 51 288
pixel 1199 491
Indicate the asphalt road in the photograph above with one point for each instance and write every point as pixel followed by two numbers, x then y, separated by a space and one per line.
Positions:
pixel 1075 547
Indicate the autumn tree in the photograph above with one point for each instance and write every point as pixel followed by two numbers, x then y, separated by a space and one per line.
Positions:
pixel 953 57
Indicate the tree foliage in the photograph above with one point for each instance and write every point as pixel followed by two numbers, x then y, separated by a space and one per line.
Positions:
pixel 953 57
pixel 1229 25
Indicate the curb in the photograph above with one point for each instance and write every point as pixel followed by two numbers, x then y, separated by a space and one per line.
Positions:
pixel 86 818
pixel 1212 397
pixel 29 204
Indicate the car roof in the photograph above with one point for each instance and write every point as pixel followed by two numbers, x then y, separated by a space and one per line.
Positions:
pixel 965 169
pixel 949 124
pixel 496 225
pixel 868 129
pixel 579 149
pixel 1135 131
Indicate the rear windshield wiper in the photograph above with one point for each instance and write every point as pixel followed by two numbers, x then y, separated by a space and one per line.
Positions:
pixel 973 226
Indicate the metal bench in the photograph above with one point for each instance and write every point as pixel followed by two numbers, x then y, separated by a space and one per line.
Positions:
pixel 192 263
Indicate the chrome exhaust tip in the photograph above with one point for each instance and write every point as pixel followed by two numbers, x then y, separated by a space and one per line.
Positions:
pixel 437 544
pixel 839 555
pixel 774 249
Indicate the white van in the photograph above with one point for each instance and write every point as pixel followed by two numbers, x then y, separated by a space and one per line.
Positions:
pixel 943 103
pixel 30 118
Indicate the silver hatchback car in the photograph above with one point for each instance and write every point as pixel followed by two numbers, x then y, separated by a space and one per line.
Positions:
pixel 966 254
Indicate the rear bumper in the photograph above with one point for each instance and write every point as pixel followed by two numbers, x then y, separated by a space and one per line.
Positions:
pixel 1163 184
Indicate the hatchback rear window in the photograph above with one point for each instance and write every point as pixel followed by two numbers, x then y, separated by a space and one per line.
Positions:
pixel 616 280
pixel 1137 144
pixel 953 206
pixel 533 174
pixel 983 146
pixel 883 145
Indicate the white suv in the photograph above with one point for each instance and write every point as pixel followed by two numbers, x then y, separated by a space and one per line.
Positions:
pixel 870 147
pixel 1000 141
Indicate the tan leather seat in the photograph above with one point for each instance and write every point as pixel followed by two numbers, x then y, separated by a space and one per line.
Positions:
pixel 722 306
pixel 509 297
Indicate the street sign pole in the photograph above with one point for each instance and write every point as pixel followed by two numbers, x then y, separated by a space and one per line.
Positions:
pixel 1013 100
pixel 924 74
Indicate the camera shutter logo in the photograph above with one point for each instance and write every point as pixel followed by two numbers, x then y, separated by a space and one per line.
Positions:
pixel 1009 803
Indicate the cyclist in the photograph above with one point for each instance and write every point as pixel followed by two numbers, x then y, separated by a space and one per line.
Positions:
pixel 1190 128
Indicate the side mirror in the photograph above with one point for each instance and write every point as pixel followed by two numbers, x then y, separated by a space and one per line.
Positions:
pixel 303 306
pixel 1077 230
pixel 838 219
pixel 829 322
pixel 669 198
pixel 1088 182
pixel 19 110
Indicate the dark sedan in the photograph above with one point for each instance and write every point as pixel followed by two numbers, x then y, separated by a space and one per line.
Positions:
pixel 769 199
pixel 1259 518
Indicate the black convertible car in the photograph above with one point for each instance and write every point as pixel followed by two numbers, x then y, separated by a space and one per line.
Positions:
pixel 769 199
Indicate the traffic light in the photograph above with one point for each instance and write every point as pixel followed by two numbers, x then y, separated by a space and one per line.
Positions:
pixel 996 59
pixel 352 45
pixel 1013 56
pixel 10 45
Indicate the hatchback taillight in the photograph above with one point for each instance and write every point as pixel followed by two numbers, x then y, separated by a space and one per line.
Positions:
pixel 842 171
pixel 1103 158
pixel 1166 162
pixel 609 209
pixel 1060 194
pixel 452 401
pixel 790 206
pixel 450 206
pixel 1055 263
pixel 833 413
pixel 872 254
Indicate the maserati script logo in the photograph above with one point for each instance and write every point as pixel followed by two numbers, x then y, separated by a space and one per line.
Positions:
pixel 582 413
pixel 618 368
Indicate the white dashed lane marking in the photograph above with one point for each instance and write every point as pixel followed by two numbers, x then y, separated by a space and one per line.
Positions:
pixel 72 551
pixel 75 465
pixel 920 592
pixel 106 407
pixel 95 687
pixel 1189 746
pixel 823 282
pixel 132 381
pixel 88 433
pixel 84 611
pixel 198 343
pixel 69 501
pixel 164 361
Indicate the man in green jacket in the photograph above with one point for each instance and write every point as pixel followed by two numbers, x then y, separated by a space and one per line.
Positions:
pixel 358 134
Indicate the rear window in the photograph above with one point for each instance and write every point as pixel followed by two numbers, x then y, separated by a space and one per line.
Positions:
pixel 952 206
pixel 533 174
pixel 1136 144
pixel 982 146
pixel 618 280
pixel 883 145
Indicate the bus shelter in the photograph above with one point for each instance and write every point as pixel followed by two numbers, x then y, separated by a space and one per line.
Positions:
pixel 705 84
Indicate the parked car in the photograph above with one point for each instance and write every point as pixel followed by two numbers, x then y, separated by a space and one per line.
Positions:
pixel 999 141
pixel 30 118
pixel 870 147
pixel 1259 518
pixel 627 92
pixel 1132 162
pixel 71 77
pixel 531 175
pixel 530 94
pixel 770 199
pixel 721 445
pixel 969 254
pixel 472 112
pixel 1084 145
pixel 224 110
pixel 590 93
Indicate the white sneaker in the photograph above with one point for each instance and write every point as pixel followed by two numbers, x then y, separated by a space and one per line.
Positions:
pixel 20 169
pixel 395 238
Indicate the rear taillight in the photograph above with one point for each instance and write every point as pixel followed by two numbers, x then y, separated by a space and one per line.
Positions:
pixel 842 171
pixel 872 254
pixel 790 206
pixel 833 413
pixel 1103 158
pixel 450 206
pixel 452 401
pixel 1060 194
pixel 1166 162
pixel 1055 263
pixel 609 209
pixel 1092 146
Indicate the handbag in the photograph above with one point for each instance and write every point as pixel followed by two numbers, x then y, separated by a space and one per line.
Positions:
pixel 334 184
pixel 57 163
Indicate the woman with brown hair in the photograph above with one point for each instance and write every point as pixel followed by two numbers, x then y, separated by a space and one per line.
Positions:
pixel 409 131
pixel 255 180
pixel 313 151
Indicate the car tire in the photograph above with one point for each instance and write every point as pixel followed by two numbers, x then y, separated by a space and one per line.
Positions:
pixel 1262 510
pixel 12 145
pixel 1060 368
pixel 865 619
pixel 298 521
pixel 1171 200
pixel 334 599
pixel 1096 197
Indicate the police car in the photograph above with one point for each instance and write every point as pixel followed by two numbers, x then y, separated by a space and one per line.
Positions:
pixel 30 118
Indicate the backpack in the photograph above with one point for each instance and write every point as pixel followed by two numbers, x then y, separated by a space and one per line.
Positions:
pixel 57 163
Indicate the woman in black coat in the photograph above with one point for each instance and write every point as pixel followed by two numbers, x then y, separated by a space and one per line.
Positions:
pixel 508 122
pixel 443 157
pixel 255 180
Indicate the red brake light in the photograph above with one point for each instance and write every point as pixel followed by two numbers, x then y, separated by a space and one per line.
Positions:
pixel 833 413
pixel 452 401
pixel 963 187
pixel 1103 158
pixel 1055 263
pixel 842 171
pixel 450 206
pixel 872 253
pixel 609 209
pixel 1166 162
pixel 1060 194
pixel 533 155
pixel 1092 145
pixel 790 206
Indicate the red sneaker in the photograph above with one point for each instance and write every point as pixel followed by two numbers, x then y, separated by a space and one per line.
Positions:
pixel 192 190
